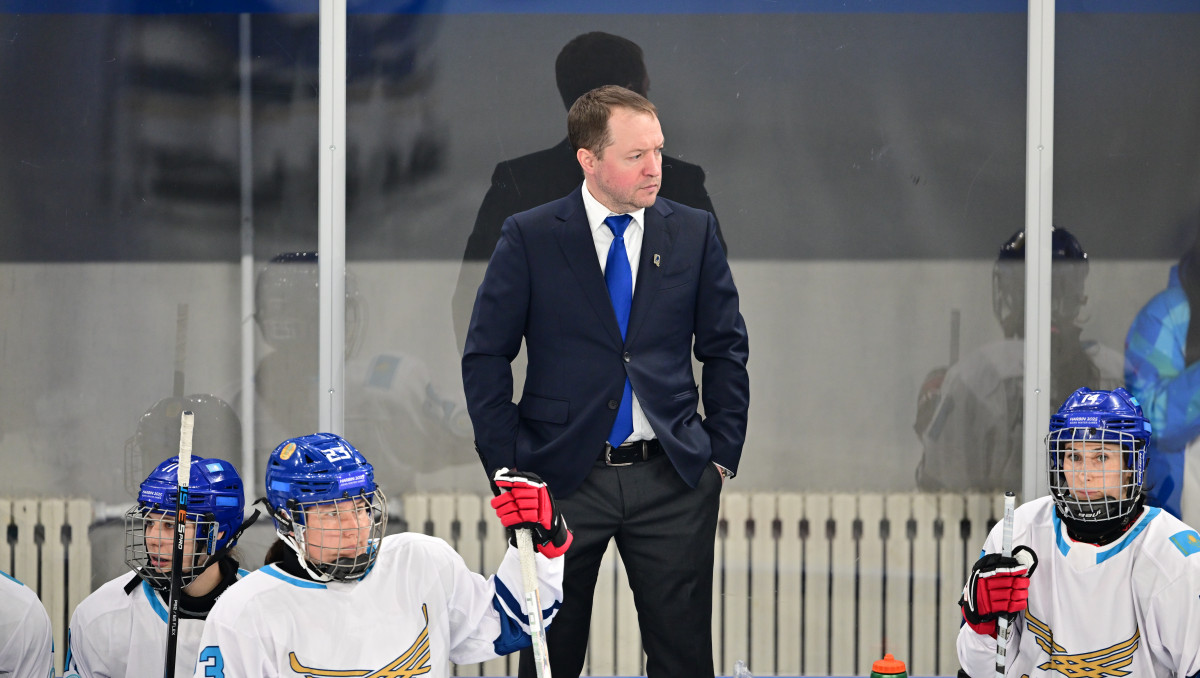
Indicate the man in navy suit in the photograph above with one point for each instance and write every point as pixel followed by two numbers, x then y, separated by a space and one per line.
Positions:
pixel 608 415
pixel 586 62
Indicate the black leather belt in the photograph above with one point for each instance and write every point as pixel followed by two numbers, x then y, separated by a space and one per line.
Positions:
pixel 630 453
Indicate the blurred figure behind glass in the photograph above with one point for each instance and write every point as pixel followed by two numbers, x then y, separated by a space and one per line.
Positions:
pixel 393 408
pixel 969 414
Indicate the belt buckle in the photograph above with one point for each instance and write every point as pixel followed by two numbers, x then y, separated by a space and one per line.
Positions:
pixel 608 448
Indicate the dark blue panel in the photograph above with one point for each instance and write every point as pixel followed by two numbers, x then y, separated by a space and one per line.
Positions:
pixel 517 7
pixel 589 6
pixel 157 6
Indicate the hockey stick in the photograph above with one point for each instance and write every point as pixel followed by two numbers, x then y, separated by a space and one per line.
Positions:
pixel 533 603
pixel 181 323
pixel 1002 626
pixel 955 323
pixel 186 421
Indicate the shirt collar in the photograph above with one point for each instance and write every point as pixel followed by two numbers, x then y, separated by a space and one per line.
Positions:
pixel 597 212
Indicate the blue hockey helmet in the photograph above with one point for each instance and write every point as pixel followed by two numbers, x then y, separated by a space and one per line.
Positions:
pixel 1069 271
pixel 324 469
pixel 320 467
pixel 216 503
pixel 1115 420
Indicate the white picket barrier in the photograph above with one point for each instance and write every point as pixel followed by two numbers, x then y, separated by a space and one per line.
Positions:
pixel 805 584
pixel 46 547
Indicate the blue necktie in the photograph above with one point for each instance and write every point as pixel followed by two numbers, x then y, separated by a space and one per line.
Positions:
pixel 618 276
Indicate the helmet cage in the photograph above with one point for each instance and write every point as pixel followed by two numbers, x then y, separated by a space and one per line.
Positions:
pixel 216 503
pixel 354 522
pixel 1120 492
pixel 153 563
pixel 323 472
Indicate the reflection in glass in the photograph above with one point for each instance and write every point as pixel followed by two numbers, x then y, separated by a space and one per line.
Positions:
pixel 969 413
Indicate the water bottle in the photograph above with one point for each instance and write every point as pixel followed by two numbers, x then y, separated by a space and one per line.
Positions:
pixel 888 667
pixel 740 670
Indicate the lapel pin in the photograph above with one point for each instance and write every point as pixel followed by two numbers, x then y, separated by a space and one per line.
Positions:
pixel 657 260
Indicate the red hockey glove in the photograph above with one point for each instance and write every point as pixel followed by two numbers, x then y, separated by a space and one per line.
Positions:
pixel 997 586
pixel 928 398
pixel 524 502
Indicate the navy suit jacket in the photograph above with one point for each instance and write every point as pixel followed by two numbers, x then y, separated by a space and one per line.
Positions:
pixel 544 285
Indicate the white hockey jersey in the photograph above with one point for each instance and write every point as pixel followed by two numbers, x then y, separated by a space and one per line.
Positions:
pixel 973 440
pixel 26 638
pixel 1130 608
pixel 114 634
pixel 417 610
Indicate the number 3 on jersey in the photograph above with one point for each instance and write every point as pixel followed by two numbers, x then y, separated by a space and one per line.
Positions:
pixel 213 662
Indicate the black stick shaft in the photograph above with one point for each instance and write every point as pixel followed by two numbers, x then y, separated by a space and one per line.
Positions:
pixel 181 502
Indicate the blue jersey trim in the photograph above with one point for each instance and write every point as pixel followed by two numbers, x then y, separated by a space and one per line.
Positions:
pixel 510 600
pixel 1130 535
pixel 1063 547
pixel 279 574
pixel 512 637
pixel 502 593
pixel 155 603
pixel 11 578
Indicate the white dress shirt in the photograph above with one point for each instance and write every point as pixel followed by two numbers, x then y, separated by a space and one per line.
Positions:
pixel 603 237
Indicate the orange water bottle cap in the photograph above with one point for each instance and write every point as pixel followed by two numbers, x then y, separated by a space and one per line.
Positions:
pixel 888 666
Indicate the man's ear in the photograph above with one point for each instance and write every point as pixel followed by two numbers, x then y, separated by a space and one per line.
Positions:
pixel 587 160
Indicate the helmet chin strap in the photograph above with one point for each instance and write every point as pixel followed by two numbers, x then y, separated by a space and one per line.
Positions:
pixel 286 529
pixel 353 567
pixel 303 559
pixel 1102 532
pixel 234 539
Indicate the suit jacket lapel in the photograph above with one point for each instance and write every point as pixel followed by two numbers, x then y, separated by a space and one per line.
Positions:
pixel 579 249
pixel 657 239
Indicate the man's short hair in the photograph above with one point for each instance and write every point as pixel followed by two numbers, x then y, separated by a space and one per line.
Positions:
pixel 595 59
pixel 587 121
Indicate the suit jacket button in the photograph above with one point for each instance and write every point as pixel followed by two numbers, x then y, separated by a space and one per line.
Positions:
pixel 627 357
pixel 612 404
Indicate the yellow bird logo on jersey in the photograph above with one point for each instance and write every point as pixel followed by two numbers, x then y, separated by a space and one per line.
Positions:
pixel 413 662
pixel 1108 662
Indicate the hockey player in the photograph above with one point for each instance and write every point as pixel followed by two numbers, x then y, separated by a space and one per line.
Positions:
pixel 418 433
pixel 341 599
pixel 1106 585
pixel 26 637
pixel 121 629
pixel 969 415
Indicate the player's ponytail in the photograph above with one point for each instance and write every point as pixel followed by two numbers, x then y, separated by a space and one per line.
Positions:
pixel 278 552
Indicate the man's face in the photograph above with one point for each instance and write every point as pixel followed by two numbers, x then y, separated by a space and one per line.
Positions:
pixel 1093 470
pixel 626 174
pixel 336 530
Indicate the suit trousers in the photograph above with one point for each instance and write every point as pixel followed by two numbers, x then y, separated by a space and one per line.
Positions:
pixel 665 532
